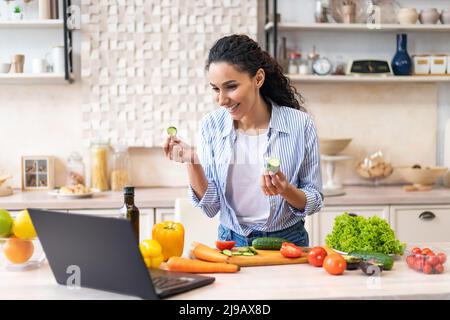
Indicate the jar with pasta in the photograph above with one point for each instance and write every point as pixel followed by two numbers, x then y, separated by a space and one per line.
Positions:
pixel 120 172
pixel 99 166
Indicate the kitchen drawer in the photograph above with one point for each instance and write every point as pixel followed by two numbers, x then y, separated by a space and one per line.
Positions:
pixel 421 224
pixel 323 221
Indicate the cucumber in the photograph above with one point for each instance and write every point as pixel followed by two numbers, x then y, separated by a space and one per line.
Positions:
pixel 377 257
pixel 227 253
pixel 172 131
pixel 268 243
pixel 273 165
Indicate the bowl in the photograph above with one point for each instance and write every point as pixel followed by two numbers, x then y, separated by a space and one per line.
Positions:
pixel 331 147
pixel 407 16
pixel 11 248
pixel 374 167
pixel 421 176
pixel 4 67
pixel 429 16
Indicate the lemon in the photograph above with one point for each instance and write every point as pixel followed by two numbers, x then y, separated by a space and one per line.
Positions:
pixel 23 227
pixel 6 222
pixel 150 248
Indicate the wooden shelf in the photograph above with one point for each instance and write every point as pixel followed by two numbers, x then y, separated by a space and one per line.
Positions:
pixel 29 78
pixel 369 79
pixel 32 24
pixel 359 27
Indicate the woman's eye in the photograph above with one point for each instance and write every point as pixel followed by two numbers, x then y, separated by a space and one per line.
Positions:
pixel 215 89
pixel 232 87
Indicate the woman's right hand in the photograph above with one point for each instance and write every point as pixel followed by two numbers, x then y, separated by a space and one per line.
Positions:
pixel 179 151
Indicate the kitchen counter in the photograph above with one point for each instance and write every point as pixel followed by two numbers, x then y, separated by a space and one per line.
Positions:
pixel 144 198
pixel 165 197
pixel 260 283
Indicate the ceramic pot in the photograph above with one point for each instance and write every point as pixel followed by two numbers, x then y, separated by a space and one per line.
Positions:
pixel 445 16
pixel 401 63
pixel 407 16
pixel 429 16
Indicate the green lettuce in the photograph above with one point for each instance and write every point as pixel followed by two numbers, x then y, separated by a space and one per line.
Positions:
pixel 372 234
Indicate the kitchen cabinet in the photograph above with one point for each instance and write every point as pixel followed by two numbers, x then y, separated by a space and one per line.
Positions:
pixel 322 222
pixel 421 223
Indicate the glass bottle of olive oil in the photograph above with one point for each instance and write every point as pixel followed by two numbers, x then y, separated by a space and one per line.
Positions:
pixel 129 210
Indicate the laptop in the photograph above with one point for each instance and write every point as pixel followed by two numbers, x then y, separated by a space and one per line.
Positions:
pixel 104 254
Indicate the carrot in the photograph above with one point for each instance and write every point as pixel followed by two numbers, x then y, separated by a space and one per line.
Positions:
pixel 203 252
pixel 329 250
pixel 198 266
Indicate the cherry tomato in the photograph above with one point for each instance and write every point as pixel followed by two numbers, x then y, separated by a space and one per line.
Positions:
pixel 426 251
pixel 410 261
pixel 416 250
pixel 432 260
pixel 334 264
pixel 427 269
pixel 419 264
pixel 290 250
pixel 419 257
pixel 225 245
pixel 442 257
pixel 439 268
pixel 316 256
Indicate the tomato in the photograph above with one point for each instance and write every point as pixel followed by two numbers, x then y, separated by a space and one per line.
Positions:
pixel 439 268
pixel 419 264
pixel 416 250
pixel 427 268
pixel 334 264
pixel 432 260
pixel 442 257
pixel 290 250
pixel 225 245
pixel 426 251
pixel 316 256
pixel 410 261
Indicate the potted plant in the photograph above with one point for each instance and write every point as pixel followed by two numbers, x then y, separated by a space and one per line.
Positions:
pixel 17 14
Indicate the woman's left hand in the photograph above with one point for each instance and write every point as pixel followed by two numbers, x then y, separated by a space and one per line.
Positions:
pixel 274 184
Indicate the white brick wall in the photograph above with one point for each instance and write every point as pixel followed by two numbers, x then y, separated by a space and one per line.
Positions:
pixel 143 64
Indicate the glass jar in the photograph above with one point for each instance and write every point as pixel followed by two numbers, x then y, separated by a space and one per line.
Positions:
pixel 294 58
pixel 99 166
pixel 75 168
pixel 120 168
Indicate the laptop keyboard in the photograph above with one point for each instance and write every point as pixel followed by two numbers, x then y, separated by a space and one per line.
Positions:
pixel 164 282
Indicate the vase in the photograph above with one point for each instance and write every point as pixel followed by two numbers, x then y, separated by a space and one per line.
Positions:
pixel 401 63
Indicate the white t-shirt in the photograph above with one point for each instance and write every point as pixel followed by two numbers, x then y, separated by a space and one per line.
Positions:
pixel 243 190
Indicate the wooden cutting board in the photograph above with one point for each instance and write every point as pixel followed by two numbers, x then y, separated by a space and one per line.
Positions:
pixel 266 258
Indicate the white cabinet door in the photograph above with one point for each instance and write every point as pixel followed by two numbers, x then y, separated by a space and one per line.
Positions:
pixel 323 221
pixel 165 214
pixel 421 223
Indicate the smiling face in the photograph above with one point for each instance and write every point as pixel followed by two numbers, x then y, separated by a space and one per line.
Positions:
pixel 234 90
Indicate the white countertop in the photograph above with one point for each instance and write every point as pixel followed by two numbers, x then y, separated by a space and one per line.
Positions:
pixel 165 198
pixel 300 281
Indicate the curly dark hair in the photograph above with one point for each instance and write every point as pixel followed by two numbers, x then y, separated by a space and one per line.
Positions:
pixel 247 56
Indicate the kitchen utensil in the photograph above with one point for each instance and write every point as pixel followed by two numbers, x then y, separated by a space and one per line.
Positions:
pixel 57 59
pixel 388 10
pixel 429 16
pixel 38 65
pixel 407 16
pixel 332 188
pixel 421 176
pixel 5 67
pixel 445 16
pixel 348 13
pixel 369 67
pixel 268 258
pixel 331 146
pixel 17 64
pixel 361 10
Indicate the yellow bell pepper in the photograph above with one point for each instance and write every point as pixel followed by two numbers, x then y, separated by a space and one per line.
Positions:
pixel 171 237
pixel 152 252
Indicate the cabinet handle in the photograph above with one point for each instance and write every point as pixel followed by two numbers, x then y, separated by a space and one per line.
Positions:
pixel 351 214
pixel 427 215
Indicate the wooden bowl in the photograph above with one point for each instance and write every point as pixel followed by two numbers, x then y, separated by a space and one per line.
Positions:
pixel 331 147
pixel 424 176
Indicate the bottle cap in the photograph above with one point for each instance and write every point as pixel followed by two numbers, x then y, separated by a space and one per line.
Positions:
pixel 128 190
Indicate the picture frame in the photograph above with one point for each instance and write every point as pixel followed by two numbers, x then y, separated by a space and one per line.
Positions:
pixel 37 173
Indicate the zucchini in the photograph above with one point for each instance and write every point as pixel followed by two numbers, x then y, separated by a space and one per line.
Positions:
pixel 172 131
pixel 376 257
pixel 268 243
pixel 273 165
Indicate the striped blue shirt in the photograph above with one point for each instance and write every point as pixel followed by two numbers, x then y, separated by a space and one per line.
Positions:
pixel 291 137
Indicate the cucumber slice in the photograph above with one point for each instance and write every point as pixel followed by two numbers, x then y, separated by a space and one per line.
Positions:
pixel 227 253
pixel 172 131
pixel 236 253
pixel 273 165
pixel 248 254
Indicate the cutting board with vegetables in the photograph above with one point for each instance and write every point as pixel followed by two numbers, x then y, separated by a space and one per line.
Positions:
pixel 267 258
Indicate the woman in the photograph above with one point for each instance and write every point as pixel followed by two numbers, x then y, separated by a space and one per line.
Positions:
pixel 258 118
